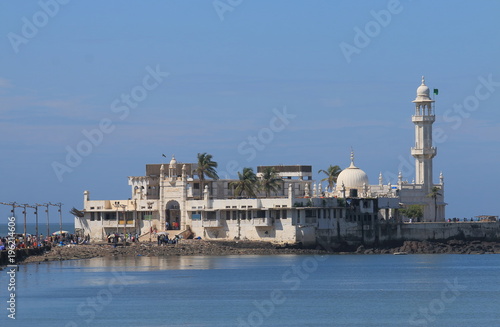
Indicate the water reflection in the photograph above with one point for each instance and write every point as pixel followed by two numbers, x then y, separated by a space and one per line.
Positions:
pixel 140 263
pixel 143 263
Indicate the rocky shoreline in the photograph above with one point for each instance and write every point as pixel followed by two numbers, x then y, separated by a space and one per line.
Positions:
pixel 428 247
pixel 222 248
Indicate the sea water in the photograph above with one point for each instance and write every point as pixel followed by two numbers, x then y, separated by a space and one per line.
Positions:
pixel 32 227
pixel 285 290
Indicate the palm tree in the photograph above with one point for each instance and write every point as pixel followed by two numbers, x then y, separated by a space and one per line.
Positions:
pixel 434 194
pixel 270 181
pixel 247 183
pixel 206 167
pixel 77 213
pixel 331 175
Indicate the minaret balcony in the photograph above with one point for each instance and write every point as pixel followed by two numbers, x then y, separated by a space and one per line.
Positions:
pixel 426 152
pixel 423 118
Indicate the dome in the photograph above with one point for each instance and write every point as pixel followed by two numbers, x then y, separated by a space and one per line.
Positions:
pixel 173 162
pixel 352 177
pixel 423 92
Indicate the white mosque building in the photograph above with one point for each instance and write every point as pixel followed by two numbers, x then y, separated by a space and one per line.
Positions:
pixel 170 196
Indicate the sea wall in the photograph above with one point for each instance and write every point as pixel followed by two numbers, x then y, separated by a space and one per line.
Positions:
pixel 387 233
pixel 21 254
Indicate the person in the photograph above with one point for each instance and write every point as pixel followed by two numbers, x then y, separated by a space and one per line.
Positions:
pixel 166 225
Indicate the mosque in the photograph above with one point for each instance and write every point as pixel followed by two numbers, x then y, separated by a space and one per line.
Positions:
pixel 172 198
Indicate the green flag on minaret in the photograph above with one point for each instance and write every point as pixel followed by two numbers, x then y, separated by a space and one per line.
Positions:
pixel 436 91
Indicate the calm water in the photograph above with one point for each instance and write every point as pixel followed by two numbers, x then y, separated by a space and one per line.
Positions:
pixel 336 290
pixel 31 227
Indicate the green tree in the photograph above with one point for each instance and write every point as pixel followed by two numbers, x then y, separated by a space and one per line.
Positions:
pixel 247 183
pixel 206 167
pixel 434 195
pixel 332 173
pixel 270 181
pixel 414 211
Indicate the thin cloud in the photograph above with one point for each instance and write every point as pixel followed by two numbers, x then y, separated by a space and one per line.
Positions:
pixel 5 83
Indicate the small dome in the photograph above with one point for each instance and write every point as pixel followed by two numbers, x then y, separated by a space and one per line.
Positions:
pixel 173 162
pixel 352 178
pixel 423 92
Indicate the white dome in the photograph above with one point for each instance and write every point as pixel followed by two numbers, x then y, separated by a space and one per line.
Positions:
pixel 423 92
pixel 352 177
pixel 173 162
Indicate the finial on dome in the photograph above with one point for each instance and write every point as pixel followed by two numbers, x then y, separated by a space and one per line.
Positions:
pixel 173 162
pixel 352 157
pixel 423 80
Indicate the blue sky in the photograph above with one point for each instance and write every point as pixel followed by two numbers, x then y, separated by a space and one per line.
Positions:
pixel 225 71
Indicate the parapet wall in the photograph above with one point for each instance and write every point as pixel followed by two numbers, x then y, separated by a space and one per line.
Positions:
pixel 487 231
pixel 380 233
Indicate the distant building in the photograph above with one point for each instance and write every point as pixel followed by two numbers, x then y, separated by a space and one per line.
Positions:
pixel 171 196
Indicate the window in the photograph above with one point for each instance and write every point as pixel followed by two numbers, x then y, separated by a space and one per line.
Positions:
pixel 260 214
pixel 92 216
pixel 311 213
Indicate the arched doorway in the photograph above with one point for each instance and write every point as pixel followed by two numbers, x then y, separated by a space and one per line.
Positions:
pixel 172 215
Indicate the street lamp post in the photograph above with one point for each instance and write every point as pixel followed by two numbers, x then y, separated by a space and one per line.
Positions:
pixel 13 205
pixel 117 205
pixel 36 215
pixel 36 218
pixel 13 210
pixel 46 205
pixel 124 225
pixel 150 207
pixel 24 206
pixel 60 215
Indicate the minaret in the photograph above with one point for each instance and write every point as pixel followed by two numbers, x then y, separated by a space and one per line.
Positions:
pixel 423 152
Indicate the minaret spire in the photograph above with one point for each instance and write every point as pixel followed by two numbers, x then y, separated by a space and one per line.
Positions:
pixel 423 152
pixel 352 158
